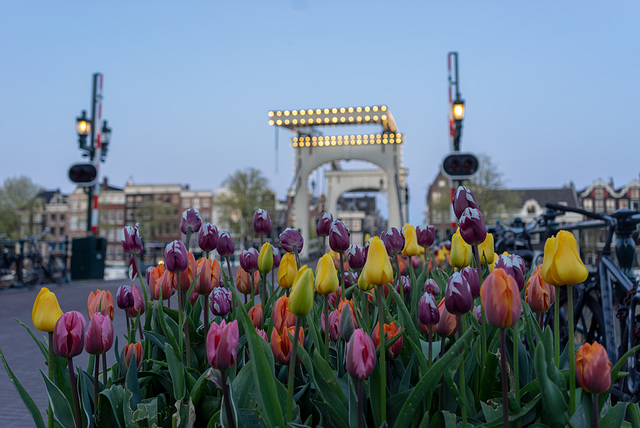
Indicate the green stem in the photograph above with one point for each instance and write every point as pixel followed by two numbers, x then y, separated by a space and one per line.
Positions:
pixel 230 275
pixel 227 399
pixel 326 328
pixel 297 256
pixel 430 345
pixel 95 385
pixel 74 392
pixel 483 332
pixel 360 403
pixel 142 284
pixel 292 367
pixel 104 369
pixel 463 382
pixel 596 416
pixel 185 328
pixel 397 279
pixel 344 296
pixel 572 354
pixel 556 327
pixel 180 315
pixel 503 369
pixel 383 379
pixel 516 363
pixel 51 367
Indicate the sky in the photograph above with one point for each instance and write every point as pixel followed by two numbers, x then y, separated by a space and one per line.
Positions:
pixel 551 88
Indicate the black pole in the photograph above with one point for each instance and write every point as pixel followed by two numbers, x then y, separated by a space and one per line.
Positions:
pixel 92 147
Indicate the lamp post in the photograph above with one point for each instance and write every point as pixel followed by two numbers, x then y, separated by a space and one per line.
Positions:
pixel 457 105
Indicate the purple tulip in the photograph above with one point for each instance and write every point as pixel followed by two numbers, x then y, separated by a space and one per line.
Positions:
pixel 339 237
pixel 432 287
pixel 68 334
pixel 426 235
pixel 220 301
pixel 512 266
pixel 176 257
pixel 472 227
pixel 393 240
pixel 405 282
pixel 276 257
pixel 471 275
pixel 428 312
pixel 99 337
pixel 462 200
pixel 365 250
pixel 138 302
pixel 124 296
pixel 249 260
pixel 191 221
pixel 262 222
pixel 457 297
pixel 225 244
pixel 131 241
pixel 324 224
pixel 477 312
pixel 355 257
pixel 290 238
pixel 208 237
pixel 350 278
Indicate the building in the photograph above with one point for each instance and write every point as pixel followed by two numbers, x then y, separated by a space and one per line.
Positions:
pixel 111 221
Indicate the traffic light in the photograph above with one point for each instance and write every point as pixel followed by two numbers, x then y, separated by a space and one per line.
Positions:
pixel 460 166
pixel 83 174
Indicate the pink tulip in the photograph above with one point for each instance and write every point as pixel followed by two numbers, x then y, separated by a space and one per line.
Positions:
pixel 138 303
pixel 99 337
pixel 68 334
pixel 360 357
pixel 222 344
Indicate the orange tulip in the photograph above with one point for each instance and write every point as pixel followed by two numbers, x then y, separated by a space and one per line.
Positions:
pixel 539 295
pixel 101 301
pixel 501 299
pixel 448 322
pixel 281 344
pixel 282 318
pixel 209 271
pixel 245 281
pixel 593 368
pixel 390 331
pixel 256 315
pixel 166 283
pixel 188 275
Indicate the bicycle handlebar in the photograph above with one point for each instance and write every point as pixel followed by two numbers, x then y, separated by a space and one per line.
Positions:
pixel 565 208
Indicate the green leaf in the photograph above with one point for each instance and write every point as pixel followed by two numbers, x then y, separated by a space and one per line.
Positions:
pixel 147 412
pixel 313 329
pixel 85 384
pixel 408 323
pixel 622 360
pixel 176 370
pixel 132 383
pixel 634 414
pixel 489 378
pixel 553 401
pixel 614 416
pixel 116 397
pixel 43 348
pixel 62 411
pixel 200 387
pixel 24 395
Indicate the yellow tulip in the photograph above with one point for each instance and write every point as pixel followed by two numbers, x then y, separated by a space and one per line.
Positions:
pixel 265 258
pixel 301 297
pixel 326 276
pixel 562 264
pixel 460 252
pixel 411 247
pixel 364 285
pixel 486 250
pixel 287 270
pixel 377 269
pixel 46 310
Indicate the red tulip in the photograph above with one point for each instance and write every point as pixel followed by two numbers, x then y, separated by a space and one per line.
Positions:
pixel 390 331
pixel 222 344
pixel 129 351
pixel 281 344
pixel 593 368
pixel 501 299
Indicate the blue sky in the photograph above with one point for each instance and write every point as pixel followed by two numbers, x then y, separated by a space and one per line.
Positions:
pixel 551 88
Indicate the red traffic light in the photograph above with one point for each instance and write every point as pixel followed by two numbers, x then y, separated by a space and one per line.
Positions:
pixel 460 165
pixel 83 174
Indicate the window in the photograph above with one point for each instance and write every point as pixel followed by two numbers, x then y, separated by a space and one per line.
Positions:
pixel 531 209
pixel 52 218
pixel 623 203
pixel 186 202
pixel 634 193
pixel 356 224
pixel 61 217
pixel 588 204
pixel 61 231
pixel 206 203
pixel 73 224
pixel 599 205
pixel 112 216
pixel 611 205
pixel 196 203
pixel 599 192
pixel 120 216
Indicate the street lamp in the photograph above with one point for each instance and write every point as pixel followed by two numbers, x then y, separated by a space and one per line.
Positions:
pixel 458 109
pixel 83 127
pixel 106 136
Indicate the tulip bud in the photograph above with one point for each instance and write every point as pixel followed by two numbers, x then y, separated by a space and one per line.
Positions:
pixel 432 287
pixel 350 278
pixel 393 241
pixel 287 270
pixel 364 285
pixel 486 250
pixel 448 323
pixel 265 259
pixel 562 264
pixel 191 221
pixel 462 200
pixel 46 310
pixel 276 257
pixel 360 355
pixel 208 237
pixel 131 241
pixel 193 298
pixel 326 278
pixel 473 279
pixel 377 269
pixel 249 260
pixel 428 313
pixel 291 238
pixel 129 351
pixel 124 297
pixel 222 344
pixel 99 337
pixel 539 295
pixel 301 297
pixel 225 244
pixel 188 275
pixel 472 227
pixel 405 283
pixel 164 284
pixel 457 296
pixel 390 331
pixel 339 237
pixel 333 325
pixel 245 282
pixel 138 303
pixel 426 235
pixel 355 257
pixel 411 247
pixel 593 368
pixel 220 302
pixel 256 314
pixel 477 312
pixel 209 274
pixel 176 257
pixel 282 318
pixel 101 301
pixel 262 334
pixel 512 266
pixel 501 299
pixel 68 334
pixel 281 344
pixel 324 224
pixel 460 252
pixel 262 222
pixel 347 322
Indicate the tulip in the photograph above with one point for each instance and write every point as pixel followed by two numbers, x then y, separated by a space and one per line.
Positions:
pixel 188 275
pixel 262 222
pixel 463 199
pixel 460 252
pixel 245 282
pixel 209 273
pixel 346 320
pixel 364 285
pixel 190 221
pixel 131 241
pixel 334 298
pixel 360 355
pixel 99 337
pixel 339 237
pixel 473 279
pixel 290 239
pixel 220 302
pixel 222 344
pixel 276 257
pixel 593 368
pixel 281 344
pixel 431 287
pixel 350 278
pixel 153 275
pixel 562 264
pixel 163 284
pixel 193 298
pixel 101 301
pixel 512 266
pixel 176 257
pixel 68 334
pixel 472 227
pixel 124 297
pixel 249 260
pixel 486 250
pixel 428 313
pixel 393 241
pixel 225 244
pixel 324 224
pixel 333 325
pixel 355 257
pixel 256 314
pixel 326 278
pixel 377 269
pixel 501 299
pixel 46 311
pixel 411 247
pixel 301 297
pixel 457 296
pixel 208 237
pixel 265 259
pixel 477 312
pixel 287 270
pixel 539 295
pixel 426 235
pixel 262 334
pixel 282 318
pixel 129 351
pixel 138 303
pixel 448 323
pixel 405 283
pixel 390 331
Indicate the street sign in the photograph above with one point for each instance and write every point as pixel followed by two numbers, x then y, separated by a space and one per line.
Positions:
pixel 460 166
pixel 83 174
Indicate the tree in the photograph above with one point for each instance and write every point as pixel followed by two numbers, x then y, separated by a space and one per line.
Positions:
pixel 245 191
pixel 17 196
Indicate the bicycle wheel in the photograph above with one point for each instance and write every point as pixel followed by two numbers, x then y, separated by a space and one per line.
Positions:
pixel 56 270
pixel 7 278
pixel 32 273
